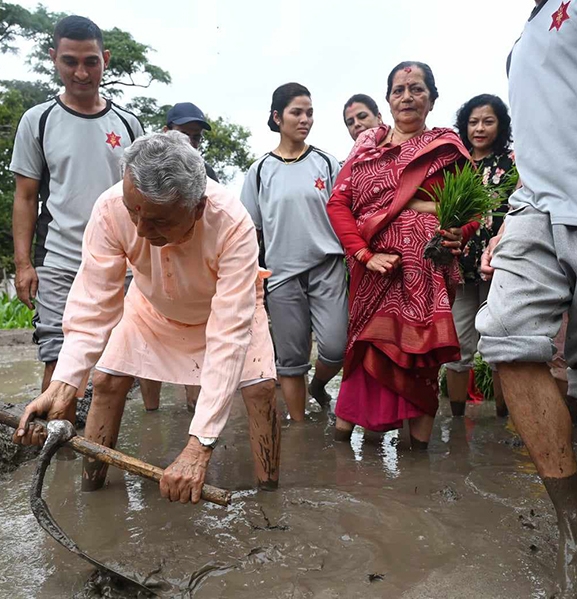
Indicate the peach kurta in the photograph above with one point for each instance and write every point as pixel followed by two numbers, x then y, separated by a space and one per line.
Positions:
pixel 193 313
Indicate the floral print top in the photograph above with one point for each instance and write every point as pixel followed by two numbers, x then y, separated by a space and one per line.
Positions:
pixel 494 169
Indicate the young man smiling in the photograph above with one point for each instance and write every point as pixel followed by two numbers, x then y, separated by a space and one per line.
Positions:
pixel 66 153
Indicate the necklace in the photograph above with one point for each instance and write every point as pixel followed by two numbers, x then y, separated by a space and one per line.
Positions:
pixel 415 135
pixel 291 160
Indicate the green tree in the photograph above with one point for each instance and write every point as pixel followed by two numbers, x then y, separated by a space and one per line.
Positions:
pixel 11 108
pixel 15 22
pixel 226 148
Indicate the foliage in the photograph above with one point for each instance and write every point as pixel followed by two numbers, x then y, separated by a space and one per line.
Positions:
pixel 15 22
pixel 151 115
pixel 14 314
pixel 484 378
pixel 226 148
pixel 129 64
pixel 462 198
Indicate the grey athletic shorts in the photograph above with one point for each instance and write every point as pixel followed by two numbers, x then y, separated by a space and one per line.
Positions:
pixel 53 288
pixel 469 298
pixel 533 286
pixel 316 301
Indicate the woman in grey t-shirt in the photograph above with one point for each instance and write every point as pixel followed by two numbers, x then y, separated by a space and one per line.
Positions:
pixel 286 192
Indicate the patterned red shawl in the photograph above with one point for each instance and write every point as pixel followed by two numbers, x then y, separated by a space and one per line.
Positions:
pixel 401 326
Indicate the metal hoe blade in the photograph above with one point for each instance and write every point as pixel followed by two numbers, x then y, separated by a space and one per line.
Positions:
pixel 59 432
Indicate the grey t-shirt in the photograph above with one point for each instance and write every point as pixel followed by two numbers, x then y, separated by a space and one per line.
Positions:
pixel 287 202
pixel 542 94
pixel 75 157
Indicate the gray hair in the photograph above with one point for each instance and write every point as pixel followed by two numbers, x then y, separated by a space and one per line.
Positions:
pixel 165 168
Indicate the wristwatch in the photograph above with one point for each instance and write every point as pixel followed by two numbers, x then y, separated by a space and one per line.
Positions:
pixel 209 442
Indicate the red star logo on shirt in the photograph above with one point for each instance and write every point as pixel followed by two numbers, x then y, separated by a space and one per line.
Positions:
pixel 113 140
pixel 320 184
pixel 560 16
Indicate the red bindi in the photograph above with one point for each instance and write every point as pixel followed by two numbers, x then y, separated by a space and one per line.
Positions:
pixel 408 70
pixel 137 208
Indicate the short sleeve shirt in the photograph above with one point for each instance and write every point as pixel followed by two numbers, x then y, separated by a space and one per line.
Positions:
pixel 542 93
pixel 76 157
pixel 288 203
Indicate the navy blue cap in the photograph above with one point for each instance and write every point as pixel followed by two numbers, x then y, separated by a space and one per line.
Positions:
pixel 186 112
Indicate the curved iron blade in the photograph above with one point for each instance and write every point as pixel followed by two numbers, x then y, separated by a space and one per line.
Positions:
pixel 59 433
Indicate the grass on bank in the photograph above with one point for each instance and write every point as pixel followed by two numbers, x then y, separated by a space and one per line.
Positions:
pixel 14 314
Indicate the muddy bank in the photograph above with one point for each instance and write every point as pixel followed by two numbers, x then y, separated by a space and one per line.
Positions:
pixel 367 520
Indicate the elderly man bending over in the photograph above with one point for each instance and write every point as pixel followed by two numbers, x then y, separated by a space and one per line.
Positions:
pixel 193 315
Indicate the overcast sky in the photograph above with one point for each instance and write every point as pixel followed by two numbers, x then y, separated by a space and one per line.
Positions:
pixel 228 56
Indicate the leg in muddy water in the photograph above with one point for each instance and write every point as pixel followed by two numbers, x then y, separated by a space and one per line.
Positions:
pixel 421 429
pixel 192 393
pixel 500 405
pixel 458 385
pixel 294 390
pixel 150 391
pixel 343 430
pixel 48 372
pixel 543 421
pixel 264 428
pixel 103 422
pixel 323 374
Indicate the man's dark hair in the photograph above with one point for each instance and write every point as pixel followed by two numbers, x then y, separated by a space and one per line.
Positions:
pixel 77 28
pixel 427 72
pixel 282 97
pixel 362 99
pixel 504 134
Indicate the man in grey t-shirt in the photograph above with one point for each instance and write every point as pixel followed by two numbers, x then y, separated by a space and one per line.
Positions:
pixel 66 153
pixel 535 262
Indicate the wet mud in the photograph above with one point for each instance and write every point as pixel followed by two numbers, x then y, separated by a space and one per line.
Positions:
pixel 369 519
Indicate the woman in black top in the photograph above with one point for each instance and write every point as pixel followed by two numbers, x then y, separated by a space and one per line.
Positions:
pixel 484 126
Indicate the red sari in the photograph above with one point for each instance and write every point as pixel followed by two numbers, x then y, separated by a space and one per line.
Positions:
pixel 401 326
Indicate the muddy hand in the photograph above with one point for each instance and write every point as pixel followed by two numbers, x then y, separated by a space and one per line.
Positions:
pixel 183 479
pixel 453 239
pixel 384 263
pixel 58 402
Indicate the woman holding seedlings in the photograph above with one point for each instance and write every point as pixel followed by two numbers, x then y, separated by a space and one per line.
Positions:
pixel 286 192
pixel 401 327
pixel 485 128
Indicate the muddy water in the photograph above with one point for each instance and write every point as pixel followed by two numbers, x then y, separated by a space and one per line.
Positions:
pixel 365 520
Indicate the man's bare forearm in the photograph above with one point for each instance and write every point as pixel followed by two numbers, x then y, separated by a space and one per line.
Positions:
pixel 24 216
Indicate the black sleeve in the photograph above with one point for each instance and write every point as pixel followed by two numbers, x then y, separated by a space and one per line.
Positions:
pixel 210 172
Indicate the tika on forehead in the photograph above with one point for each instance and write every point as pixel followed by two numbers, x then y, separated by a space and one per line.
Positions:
pixel 408 70
pixel 137 207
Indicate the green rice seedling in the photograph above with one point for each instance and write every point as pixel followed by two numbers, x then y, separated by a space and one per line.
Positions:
pixel 14 314
pixel 484 378
pixel 460 200
pixel 443 386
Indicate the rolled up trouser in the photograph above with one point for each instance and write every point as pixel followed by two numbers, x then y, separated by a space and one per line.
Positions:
pixel 533 286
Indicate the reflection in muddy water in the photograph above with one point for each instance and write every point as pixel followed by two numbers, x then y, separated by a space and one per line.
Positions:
pixel 364 520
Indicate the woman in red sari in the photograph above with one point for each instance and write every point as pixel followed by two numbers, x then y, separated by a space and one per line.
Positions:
pixel 401 327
